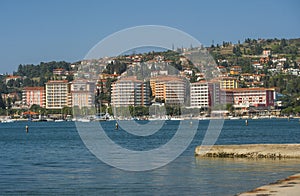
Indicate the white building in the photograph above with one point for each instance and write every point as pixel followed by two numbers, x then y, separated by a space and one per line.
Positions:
pixel 199 94
pixel 58 94
pixel 83 93
pixel 129 91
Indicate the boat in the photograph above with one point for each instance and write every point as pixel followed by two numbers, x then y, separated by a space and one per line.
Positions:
pixel 7 120
pixel 234 118
pixel 83 120
pixel 59 120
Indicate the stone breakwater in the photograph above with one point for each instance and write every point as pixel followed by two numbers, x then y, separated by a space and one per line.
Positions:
pixel 250 151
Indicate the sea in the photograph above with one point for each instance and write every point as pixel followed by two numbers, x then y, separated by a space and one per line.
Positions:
pixel 52 159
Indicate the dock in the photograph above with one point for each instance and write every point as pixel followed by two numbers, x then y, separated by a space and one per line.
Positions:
pixel 250 151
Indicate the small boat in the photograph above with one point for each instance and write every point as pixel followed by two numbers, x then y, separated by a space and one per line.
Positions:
pixel 234 118
pixel 84 120
pixel 7 120
pixel 59 120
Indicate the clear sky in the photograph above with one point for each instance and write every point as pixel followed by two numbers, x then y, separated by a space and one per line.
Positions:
pixel 44 30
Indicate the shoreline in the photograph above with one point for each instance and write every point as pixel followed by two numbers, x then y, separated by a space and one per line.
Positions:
pixel 289 186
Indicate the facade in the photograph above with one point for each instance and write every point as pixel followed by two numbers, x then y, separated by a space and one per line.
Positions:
pixel 129 91
pixel 170 89
pixel 199 94
pixel 228 83
pixel 83 93
pixel 247 97
pixel 58 94
pixel 58 71
pixel 34 96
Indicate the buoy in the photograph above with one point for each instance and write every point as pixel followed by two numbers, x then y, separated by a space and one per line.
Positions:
pixel 27 128
pixel 246 122
pixel 117 126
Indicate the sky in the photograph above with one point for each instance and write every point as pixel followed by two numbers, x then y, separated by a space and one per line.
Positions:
pixel 35 31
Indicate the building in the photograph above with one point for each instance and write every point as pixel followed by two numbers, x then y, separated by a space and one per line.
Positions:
pixel 83 93
pixel 11 77
pixel 128 91
pixel 34 96
pixel 58 94
pixel 266 53
pixel 228 83
pixel 247 97
pixel 170 89
pixel 235 70
pixel 199 94
pixel 59 71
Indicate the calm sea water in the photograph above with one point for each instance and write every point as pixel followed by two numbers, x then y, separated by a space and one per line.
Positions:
pixel 52 160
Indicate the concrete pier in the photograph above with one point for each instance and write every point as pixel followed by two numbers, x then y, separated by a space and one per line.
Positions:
pixel 250 151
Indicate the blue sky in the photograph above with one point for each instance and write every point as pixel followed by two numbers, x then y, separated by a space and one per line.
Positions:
pixel 44 30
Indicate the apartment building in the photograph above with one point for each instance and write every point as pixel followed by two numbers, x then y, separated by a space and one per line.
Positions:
pixel 228 83
pixel 199 94
pixel 255 97
pixel 128 91
pixel 83 93
pixel 34 96
pixel 58 94
pixel 170 89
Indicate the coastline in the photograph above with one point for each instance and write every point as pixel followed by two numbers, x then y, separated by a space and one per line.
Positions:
pixel 289 186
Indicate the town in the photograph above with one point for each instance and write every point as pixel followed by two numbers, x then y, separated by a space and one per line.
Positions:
pixel 255 79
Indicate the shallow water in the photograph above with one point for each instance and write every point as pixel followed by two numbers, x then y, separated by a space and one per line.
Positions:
pixel 52 159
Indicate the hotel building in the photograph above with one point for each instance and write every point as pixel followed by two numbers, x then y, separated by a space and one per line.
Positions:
pixel 246 97
pixel 129 91
pixel 170 89
pixel 83 93
pixel 200 95
pixel 58 94
pixel 33 96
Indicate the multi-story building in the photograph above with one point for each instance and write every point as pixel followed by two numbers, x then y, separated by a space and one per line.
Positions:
pixel 58 94
pixel 83 93
pixel 245 97
pixel 128 91
pixel 228 83
pixel 33 96
pixel 199 95
pixel 170 89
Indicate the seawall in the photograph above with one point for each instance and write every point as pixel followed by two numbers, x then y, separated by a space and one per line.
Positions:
pixel 250 151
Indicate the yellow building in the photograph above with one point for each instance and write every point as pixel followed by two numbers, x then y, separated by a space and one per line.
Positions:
pixel 228 83
pixel 170 89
